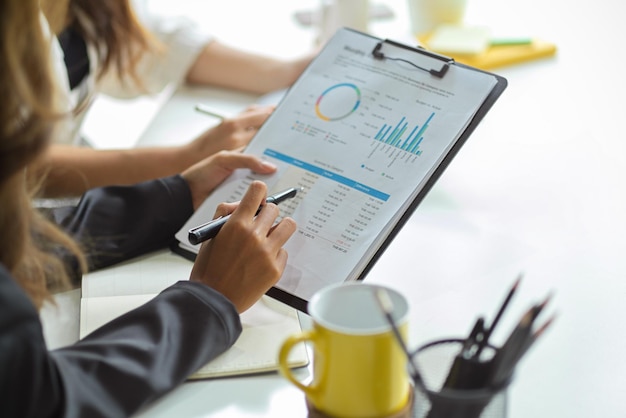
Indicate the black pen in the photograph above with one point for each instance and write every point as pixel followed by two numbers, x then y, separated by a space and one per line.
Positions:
pixel 488 332
pixel 386 306
pixel 210 229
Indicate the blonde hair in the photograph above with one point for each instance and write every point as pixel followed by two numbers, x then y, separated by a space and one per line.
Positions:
pixel 33 249
pixel 31 245
pixel 109 25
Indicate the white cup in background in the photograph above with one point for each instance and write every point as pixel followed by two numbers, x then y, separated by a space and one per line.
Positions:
pixel 336 14
pixel 426 15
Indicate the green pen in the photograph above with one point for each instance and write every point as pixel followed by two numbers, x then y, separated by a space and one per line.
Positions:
pixel 510 41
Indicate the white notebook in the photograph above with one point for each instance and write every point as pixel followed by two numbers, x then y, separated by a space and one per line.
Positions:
pixel 109 293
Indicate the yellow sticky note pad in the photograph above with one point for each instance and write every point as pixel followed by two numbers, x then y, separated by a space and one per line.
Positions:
pixel 499 55
pixel 463 40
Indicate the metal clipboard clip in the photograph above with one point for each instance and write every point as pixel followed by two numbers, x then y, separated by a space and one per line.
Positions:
pixel 443 62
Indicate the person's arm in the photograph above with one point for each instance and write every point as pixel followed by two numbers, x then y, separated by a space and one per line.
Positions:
pixel 228 67
pixel 121 366
pixel 136 358
pixel 193 55
pixel 71 171
pixel 117 223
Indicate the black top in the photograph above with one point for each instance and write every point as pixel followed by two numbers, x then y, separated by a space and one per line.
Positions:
pixel 134 359
pixel 75 55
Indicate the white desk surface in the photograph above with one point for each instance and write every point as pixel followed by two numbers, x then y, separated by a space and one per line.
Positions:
pixel 540 187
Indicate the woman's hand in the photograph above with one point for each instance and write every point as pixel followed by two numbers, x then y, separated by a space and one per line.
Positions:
pixel 205 176
pixel 246 257
pixel 232 133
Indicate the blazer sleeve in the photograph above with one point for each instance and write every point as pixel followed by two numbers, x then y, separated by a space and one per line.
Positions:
pixel 121 366
pixel 117 223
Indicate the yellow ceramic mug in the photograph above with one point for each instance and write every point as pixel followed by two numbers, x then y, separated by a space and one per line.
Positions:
pixel 359 369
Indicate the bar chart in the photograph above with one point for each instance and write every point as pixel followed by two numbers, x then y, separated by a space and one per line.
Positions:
pixel 395 135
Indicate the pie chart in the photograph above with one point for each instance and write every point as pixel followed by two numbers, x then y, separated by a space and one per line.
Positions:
pixel 338 102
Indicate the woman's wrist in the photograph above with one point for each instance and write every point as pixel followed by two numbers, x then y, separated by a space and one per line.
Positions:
pixel 187 155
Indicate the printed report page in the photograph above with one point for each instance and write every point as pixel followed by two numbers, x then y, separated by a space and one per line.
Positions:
pixel 361 136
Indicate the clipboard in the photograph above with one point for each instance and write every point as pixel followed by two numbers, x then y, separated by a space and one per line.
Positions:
pixel 367 130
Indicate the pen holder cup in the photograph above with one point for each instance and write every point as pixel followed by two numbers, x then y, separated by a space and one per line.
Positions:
pixel 434 361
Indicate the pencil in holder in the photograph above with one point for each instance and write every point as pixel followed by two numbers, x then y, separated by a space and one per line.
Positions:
pixel 435 399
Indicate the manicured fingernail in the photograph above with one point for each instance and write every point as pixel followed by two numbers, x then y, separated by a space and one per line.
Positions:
pixel 267 164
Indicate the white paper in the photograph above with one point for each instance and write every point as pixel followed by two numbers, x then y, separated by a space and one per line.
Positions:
pixel 361 136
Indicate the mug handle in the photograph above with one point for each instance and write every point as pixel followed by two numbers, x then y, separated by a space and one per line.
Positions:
pixel 283 355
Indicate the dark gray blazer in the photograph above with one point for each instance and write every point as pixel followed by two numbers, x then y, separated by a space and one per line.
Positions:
pixel 134 359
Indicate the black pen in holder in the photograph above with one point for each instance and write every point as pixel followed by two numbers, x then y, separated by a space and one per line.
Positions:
pixel 432 400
